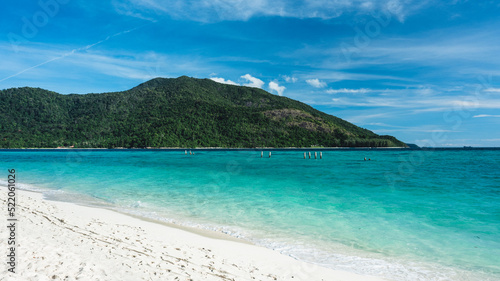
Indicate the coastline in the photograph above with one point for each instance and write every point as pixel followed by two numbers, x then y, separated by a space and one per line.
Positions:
pixel 210 148
pixel 252 149
pixel 66 241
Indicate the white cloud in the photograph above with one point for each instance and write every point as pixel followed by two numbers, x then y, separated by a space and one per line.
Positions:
pixel 279 89
pixel 486 116
pixel 223 81
pixel 254 82
pixel 464 54
pixel 316 83
pixel 465 103
pixel 369 102
pixel 218 10
pixel 290 79
pixel 348 91
pixel 492 90
pixel 380 124
pixel 431 104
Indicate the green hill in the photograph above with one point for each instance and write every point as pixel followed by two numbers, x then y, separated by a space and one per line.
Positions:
pixel 181 112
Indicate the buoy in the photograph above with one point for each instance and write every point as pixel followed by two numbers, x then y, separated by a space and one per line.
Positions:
pixel 315 155
pixel 320 155
pixel 269 154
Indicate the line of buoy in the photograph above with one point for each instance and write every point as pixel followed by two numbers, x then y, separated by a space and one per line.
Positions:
pixel 262 154
pixel 315 155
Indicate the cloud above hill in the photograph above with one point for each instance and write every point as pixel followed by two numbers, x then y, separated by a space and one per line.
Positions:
pixel 253 82
pixel 275 87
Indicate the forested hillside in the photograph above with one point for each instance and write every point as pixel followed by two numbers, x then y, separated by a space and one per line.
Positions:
pixel 181 112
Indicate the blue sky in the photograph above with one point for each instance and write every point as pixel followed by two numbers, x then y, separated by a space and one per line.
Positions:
pixel 427 72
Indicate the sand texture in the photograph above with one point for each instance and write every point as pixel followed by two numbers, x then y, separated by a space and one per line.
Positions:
pixel 66 241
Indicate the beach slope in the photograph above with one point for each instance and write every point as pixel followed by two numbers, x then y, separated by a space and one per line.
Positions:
pixel 65 241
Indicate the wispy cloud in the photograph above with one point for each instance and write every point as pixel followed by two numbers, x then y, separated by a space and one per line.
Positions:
pixel 380 124
pixel 457 54
pixel 418 104
pixel 210 11
pixel 368 102
pixel 69 53
pixel 331 74
pixel 316 83
pixel 253 82
pixel 275 87
pixel 348 91
pixel 361 119
pixel 415 130
pixel 79 67
pixel 492 90
pixel 486 116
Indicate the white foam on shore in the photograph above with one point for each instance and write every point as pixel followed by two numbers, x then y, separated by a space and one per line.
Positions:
pixel 341 258
pixel 28 187
pixel 60 240
pixel 376 265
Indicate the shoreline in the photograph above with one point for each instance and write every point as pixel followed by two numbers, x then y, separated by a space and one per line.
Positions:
pixel 216 148
pixel 253 149
pixel 68 241
pixel 266 149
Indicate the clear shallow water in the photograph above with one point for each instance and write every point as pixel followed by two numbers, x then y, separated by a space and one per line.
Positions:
pixel 405 215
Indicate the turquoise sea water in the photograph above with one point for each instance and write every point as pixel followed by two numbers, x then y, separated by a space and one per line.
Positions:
pixel 404 215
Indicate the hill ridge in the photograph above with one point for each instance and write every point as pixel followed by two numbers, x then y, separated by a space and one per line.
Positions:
pixel 173 112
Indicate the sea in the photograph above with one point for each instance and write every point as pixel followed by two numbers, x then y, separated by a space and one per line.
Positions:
pixel 431 214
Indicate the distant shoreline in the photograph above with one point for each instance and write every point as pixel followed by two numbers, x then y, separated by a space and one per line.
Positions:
pixel 264 148
pixel 205 148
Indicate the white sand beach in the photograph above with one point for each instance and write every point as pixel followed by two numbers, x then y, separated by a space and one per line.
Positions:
pixel 66 241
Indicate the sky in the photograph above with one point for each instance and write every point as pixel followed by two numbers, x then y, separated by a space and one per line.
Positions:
pixel 426 72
